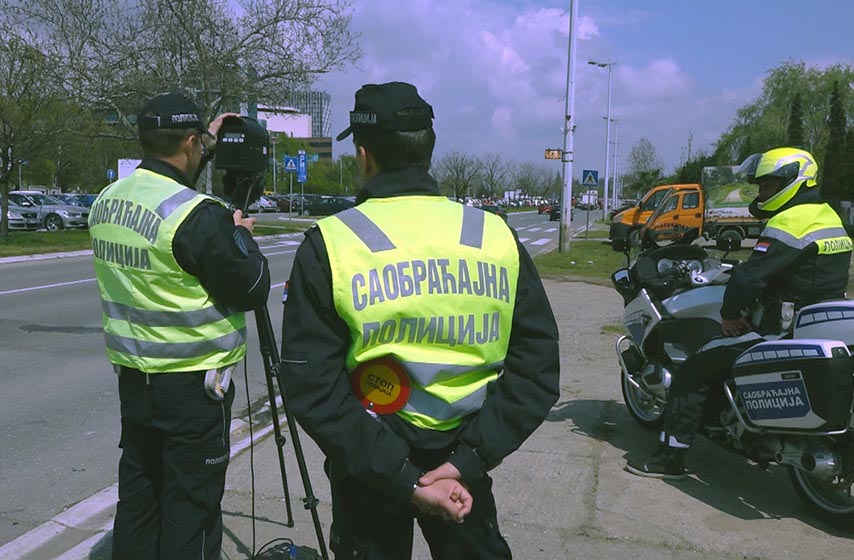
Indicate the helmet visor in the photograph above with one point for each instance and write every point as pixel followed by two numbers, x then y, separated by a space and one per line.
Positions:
pixel 747 170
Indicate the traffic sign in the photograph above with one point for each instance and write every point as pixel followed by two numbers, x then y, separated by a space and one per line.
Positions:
pixel 302 172
pixel 590 178
pixel 111 174
pixel 291 163
pixel 552 153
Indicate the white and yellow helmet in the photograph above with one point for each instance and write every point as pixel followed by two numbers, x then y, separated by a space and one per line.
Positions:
pixel 795 166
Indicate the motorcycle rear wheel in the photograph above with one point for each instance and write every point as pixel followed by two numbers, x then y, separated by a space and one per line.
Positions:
pixel 644 409
pixel 834 504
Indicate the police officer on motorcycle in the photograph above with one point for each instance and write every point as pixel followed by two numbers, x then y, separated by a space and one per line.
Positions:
pixel 802 257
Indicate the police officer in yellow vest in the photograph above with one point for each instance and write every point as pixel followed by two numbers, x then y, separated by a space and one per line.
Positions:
pixel 176 270
pixel 419 348
pixel 801 257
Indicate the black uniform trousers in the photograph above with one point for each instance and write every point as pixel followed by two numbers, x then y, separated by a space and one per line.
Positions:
pixel 175 450
pixel 698 375
pixel 366 527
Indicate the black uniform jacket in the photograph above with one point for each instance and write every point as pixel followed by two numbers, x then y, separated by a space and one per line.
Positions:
pixel 224 257
pixel 786 273
pixel 314 347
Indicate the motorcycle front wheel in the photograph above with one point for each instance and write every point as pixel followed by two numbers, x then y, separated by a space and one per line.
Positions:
pixel 833 502
pixel 644 409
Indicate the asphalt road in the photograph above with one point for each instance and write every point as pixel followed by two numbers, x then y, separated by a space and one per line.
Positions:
pixel 58 398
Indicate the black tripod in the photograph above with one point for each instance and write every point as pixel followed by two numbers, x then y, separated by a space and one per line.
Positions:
pixel 241 189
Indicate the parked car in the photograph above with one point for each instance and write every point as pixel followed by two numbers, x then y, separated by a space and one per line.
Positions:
pixel 326 206
pixel 263 204
pixel 82 199
pixel 21 219
pixel 285 202
pixel 495 210
pixel 53 215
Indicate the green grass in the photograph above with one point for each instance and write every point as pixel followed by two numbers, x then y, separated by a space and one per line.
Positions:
pixel 33 242
pixel 592 260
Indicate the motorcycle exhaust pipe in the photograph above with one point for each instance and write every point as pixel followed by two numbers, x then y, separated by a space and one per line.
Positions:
pixel 823 464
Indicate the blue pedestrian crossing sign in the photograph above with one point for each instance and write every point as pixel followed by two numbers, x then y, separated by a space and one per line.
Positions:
pixel 590 178
pixel 291 164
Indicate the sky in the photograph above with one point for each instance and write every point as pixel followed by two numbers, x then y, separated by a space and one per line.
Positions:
pixel 495 70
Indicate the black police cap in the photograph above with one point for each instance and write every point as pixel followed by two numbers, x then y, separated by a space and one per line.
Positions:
pixel 378 108
pixel 169 110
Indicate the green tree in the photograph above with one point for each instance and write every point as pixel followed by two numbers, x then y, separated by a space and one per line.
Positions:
pixel 764 123
pixel 795 130
pixel 832 180
pixel 691 170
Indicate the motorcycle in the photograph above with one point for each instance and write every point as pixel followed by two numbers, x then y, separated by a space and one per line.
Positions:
pixel 789 400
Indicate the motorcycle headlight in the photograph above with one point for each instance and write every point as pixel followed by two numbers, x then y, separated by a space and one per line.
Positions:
pixel 694 267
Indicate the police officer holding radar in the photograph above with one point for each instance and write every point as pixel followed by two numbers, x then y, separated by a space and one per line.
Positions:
pixel 176 271
pixel 418 350
pixel 801 257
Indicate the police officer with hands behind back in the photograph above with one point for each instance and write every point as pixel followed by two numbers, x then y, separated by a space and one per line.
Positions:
pixel 176 270
pixel 418 349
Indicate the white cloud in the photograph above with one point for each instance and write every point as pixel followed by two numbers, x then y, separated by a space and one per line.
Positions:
pixel 659 79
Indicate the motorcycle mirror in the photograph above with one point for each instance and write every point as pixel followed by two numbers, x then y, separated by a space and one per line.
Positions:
pixel 620 245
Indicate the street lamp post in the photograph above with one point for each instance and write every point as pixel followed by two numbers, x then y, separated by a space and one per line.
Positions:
pixel 614 167
pixel 609 65
pixel 567 154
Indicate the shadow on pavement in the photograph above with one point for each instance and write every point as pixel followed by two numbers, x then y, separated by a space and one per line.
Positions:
pixel 721 479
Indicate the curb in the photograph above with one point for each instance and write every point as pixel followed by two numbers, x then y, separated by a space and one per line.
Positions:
pixel 74 532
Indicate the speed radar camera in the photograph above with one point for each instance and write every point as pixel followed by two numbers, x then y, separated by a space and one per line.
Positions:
pixel 242 146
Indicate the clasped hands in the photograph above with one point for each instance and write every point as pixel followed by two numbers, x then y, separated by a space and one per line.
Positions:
pixel 441 493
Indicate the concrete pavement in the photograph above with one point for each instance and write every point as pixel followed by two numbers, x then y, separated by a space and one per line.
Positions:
pixel 562 495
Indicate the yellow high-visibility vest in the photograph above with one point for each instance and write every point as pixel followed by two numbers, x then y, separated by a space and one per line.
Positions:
pixel 157 318
pixel 803 224
pixel 432 284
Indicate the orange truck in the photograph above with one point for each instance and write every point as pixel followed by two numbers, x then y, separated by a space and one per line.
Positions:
pixel 718 208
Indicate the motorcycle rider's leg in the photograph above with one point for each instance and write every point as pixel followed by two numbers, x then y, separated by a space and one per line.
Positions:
pixel 684 412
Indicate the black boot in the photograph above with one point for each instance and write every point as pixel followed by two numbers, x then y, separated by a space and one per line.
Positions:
pixel 666 462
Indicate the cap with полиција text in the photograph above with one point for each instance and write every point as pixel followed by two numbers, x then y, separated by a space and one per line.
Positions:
pixel 169 110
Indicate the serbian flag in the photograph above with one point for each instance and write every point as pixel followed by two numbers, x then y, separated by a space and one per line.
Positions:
pixel 762 246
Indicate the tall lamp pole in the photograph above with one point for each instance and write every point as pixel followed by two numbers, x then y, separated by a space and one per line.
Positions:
pixel 614 168
pixel 568 134
pixel 609 65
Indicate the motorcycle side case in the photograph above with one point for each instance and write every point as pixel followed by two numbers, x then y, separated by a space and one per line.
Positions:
pixel 803 384
pixel 832 320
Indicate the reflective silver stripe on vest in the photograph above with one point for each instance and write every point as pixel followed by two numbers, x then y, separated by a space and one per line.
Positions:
pixel 424 403
pixel 148 318
pixel 173 202
pixel 805 241
pixel 424 374
pixel 367 231
pixel 471 234
pixel 175 350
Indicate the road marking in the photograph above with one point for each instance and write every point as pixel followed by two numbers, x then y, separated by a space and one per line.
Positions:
pixel 550 230
pixel 535 229
pixel 74 517
pixel 46 286
pixel 523 239
pixel 542 241
pixel 78 515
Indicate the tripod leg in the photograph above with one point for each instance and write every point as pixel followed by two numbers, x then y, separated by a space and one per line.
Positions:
pixel 280 443
pixel 270 356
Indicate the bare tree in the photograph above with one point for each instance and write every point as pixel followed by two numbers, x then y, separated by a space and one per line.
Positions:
pixel 110 56
pixel 646 167
pixel 458 174
pixel 493 175
pixel 30 115
pixel 532 179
